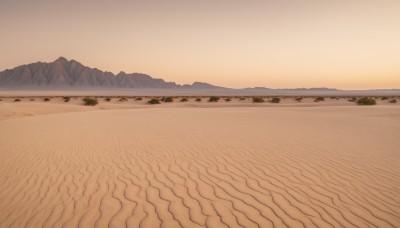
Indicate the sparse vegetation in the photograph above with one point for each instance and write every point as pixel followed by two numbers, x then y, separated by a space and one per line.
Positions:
pixel 258 100
pixel 153 101
pixel 352 99
pixel 318 99
pixel 66 99
pixel 275 100
pixel 168 99
pixel 213 99
pixel 46 99
pixel 384 98
pixel 366 101
pixel 108 99
pixel 90 101
pixel 32 99
pixel 242 98
pixel 198 99
pixel 138 99
pixel 184 99
pixel 299 99
pixel 393 101
pixel 123 99
pixel 228 99
pixel 17 100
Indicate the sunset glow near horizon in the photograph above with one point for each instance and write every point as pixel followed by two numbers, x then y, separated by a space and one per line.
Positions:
pixel 347 44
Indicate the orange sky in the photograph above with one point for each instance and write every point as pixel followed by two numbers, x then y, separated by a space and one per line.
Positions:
pixel 349 44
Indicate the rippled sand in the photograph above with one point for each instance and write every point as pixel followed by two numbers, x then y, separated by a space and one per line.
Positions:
pixel 196 167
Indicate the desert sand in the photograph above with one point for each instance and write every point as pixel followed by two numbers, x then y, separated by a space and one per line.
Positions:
pixel 330 164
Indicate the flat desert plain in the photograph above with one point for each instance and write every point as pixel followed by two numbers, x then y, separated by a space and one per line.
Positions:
pixel 188 165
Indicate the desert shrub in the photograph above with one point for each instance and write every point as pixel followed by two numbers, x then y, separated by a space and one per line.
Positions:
pixel 138 99
pixel 198 99
pixel 318 99
pixel 46 99
pixel 184 99
pixel 242 98
pixel 108 99
pixel 213 99
pixel 153 101
pixel 353 99
pixel 17 100
pixel 258 100
pixel 167 99
pixel 393 101
pixel 334 98
pixel 384 98
pixel 228 99
pixel 123 99
pixel 275 100
pixel 66 99
pixel 366 101
pixel 298 99
pixel 90 101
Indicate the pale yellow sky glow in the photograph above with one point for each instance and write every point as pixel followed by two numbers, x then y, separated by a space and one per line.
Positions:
pixel 348 44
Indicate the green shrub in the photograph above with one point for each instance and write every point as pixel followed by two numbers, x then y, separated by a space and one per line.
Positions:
pixel 393 101
pixel 198 99
pixel 366 101
pixel 318 99
pixel 213 99
pixel 258 100
pixel 153 101
pixel 276 100
pixel 90 101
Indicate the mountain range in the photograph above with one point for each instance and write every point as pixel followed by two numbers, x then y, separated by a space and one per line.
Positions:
pixel 69 73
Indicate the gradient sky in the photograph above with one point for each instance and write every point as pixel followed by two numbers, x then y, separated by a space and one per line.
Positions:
pixel 349 44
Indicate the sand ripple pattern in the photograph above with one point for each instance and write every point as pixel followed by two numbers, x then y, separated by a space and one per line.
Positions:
pixel 228 167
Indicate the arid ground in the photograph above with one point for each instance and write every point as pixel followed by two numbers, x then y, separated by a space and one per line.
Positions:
pixel 225 164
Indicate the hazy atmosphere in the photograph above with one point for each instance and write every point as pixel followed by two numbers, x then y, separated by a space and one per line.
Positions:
pixel 184 113
pixel 348 44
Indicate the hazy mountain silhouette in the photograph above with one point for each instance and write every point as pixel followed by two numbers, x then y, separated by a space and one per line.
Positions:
pixel 64 73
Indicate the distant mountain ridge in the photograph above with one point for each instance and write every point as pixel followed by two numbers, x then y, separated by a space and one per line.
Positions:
pixel 70 73
pixel 299 89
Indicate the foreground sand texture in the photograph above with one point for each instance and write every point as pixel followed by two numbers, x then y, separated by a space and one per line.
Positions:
pixel 202 167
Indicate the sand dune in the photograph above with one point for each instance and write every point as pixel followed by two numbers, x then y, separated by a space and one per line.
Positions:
pixel 189 167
